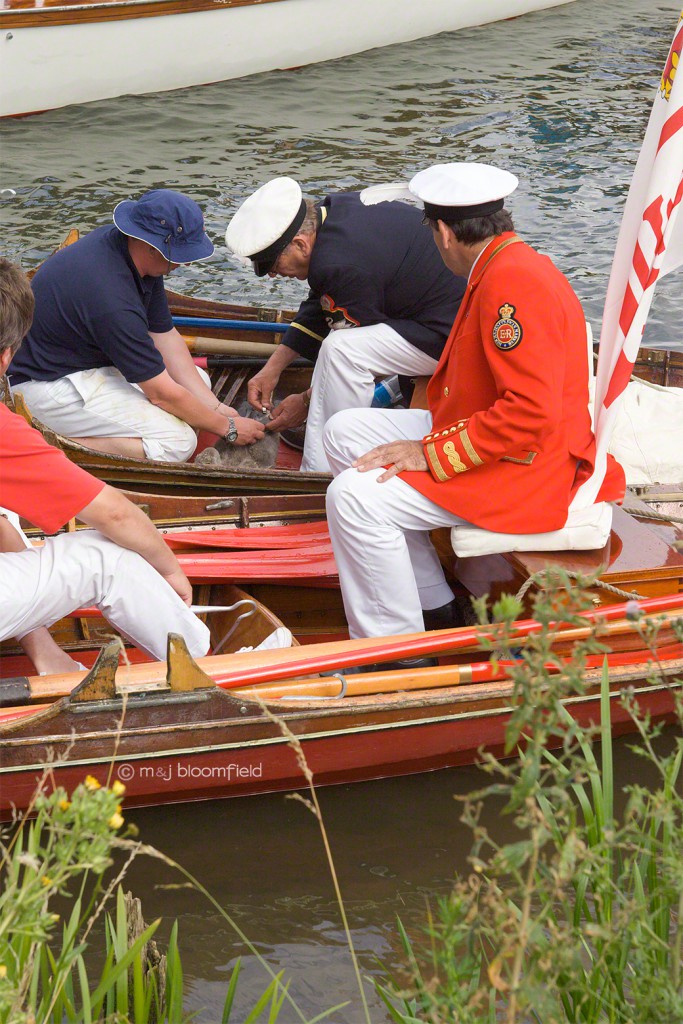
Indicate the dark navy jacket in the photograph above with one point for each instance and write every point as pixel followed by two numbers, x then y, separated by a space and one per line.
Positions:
pixel 93 309
pixel 371 265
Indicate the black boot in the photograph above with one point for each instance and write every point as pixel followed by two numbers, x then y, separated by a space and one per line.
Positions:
pixel 448 616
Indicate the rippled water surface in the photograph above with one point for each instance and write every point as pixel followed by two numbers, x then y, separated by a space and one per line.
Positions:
pixel 561 98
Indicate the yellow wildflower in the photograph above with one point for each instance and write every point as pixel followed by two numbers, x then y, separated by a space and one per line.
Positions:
pixel 64 805
pixel 46 880
pixel 116 820
pixel 3 971
pixel 91 783
pixel 118 788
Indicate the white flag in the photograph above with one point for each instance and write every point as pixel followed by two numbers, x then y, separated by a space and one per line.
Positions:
pixel 650 245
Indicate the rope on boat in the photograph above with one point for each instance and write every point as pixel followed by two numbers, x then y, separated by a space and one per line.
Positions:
pixel 641 513
pixel 538 579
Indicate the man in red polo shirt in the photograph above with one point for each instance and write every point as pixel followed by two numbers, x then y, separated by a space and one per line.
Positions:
pixel 122 565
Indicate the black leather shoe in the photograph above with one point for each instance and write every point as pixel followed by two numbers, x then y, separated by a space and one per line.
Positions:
pixel 448 616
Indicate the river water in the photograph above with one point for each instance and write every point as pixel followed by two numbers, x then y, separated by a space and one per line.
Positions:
pixel 562 99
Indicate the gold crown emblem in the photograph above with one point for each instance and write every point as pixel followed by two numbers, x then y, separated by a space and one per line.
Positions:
pixel 506 311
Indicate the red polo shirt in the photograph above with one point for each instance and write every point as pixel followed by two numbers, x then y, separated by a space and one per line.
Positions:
pixel 36 480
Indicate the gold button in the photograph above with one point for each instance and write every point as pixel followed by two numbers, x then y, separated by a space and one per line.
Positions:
pixel 446 392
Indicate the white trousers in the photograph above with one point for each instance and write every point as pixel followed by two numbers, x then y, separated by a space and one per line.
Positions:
pixel 388 568
pixel 73 570
pixel 101 403
pixel 344 378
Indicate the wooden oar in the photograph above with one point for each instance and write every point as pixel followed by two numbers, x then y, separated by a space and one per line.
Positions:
pixel 426 678
pixel 392 681
pixel 226 347
pixel 220 362
pixel 269 666
pixel 233 671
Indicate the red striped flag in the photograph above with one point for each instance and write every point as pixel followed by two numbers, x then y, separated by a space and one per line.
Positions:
pixel 650 245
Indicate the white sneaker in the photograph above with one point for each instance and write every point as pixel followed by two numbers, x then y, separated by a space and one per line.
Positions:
pixel 278 639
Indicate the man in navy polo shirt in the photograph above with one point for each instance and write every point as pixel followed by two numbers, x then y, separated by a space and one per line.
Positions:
pixel 103 363
pixel 380 302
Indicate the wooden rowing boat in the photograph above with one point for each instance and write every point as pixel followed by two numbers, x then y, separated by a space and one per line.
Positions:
pixel 211 40
pixel 186 478
pixel 191 739
pixel 188 732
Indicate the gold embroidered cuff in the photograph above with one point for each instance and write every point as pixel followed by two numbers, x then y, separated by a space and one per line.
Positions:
pixel 453 456
pixel 469 448
pixel 436 467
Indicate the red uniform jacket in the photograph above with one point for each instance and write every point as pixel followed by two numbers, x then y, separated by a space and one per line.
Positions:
pixel 511 438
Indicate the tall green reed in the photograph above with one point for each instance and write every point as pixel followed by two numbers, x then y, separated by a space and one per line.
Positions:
pixel 46 964
pixel 579 919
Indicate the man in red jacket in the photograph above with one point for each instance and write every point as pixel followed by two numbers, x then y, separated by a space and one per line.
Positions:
pixel 507 439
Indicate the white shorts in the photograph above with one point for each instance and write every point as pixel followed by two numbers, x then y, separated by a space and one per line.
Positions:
pixel 102 403
pixel 344 378
pixel 73 570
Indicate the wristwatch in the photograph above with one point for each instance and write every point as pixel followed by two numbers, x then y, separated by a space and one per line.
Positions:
pixel 231 434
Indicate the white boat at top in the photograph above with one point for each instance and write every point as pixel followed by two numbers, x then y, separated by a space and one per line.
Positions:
pixel 57 52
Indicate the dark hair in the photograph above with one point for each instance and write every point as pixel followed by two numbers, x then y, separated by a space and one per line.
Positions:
pixel 16 305
pixel 478 229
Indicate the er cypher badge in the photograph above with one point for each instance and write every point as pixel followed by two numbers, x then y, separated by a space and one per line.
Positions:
pixel 507 332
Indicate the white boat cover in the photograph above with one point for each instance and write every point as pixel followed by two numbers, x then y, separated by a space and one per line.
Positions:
pixel 648 434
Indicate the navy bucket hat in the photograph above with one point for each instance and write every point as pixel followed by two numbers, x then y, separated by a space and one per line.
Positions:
pixel 169 221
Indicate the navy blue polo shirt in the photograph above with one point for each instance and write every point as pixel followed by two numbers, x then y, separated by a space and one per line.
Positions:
pixel 93 309
pixel 372 265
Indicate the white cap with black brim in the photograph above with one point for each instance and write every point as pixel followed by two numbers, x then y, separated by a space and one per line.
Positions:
pixel 266 223
pixel 450 192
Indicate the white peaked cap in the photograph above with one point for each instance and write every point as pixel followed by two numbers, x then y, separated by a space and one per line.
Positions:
pixel 466 184
pixel 466 188
pixel 266 222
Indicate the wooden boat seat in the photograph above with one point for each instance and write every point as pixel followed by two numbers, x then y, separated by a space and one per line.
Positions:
pixel 585 530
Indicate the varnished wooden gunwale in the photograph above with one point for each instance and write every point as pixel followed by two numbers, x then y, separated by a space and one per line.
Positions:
pixel 17 14
pixel 347 740
pixel 178 478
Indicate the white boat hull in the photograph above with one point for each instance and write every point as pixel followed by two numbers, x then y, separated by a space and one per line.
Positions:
pixel 43 67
